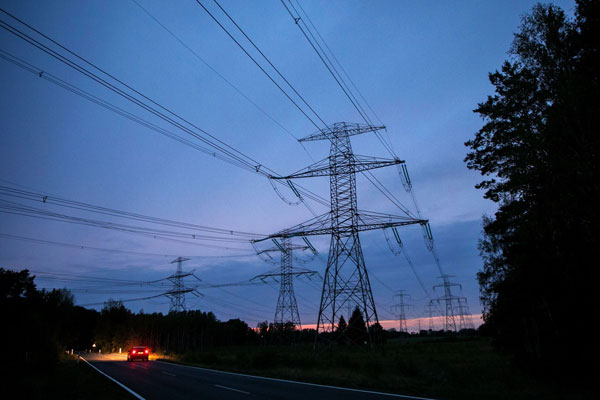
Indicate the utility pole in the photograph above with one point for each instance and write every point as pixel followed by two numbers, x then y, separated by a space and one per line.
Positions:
pixel 346 280
pixel 401 306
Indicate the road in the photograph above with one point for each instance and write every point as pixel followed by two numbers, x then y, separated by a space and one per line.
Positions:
pixel 162 380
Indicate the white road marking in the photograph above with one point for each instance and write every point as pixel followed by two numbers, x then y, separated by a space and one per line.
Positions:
pixel 166 373
pixel 302 383
pixel 228 388
pixel 115 381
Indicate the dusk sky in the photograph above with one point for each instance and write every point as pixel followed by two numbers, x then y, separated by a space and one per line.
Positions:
pixel 422 66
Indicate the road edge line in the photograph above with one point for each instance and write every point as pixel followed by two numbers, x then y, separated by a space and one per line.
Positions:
pixel 403 396
pixel 114 380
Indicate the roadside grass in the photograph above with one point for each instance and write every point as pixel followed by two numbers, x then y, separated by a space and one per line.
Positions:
pixel 67 379
pixel 442 368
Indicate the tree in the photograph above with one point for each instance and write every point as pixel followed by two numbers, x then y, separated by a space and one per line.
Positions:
pixel 340 331
pixel 356 331
pixel 113 330
pixel 378 335
pixel 15 286
pixel 538 150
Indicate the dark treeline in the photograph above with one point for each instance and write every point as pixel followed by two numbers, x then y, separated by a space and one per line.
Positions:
pixel 37 324
pixel 43 324
pixel 539 150
pixel 40 325
pixel 118 328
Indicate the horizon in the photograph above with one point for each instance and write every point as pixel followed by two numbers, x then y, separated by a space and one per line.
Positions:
pixel 422 67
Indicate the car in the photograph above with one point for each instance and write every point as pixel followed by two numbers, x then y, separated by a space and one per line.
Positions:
pixel 138 353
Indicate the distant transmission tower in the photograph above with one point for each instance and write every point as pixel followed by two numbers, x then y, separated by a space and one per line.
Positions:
pixel 465 316
pixel 430 311
pixel 401 306
pixel 456 306
pixel 287 307
pixel 177 294
pixel 346 279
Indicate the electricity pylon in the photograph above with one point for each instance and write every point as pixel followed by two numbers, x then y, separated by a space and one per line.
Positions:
pixel 455 305
pixel 430 310
pixel 401 307
pixel 465 316
pixel 346 279
pixel 287 307
pixel 177 294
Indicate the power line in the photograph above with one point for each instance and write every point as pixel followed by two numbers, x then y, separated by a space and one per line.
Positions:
pixel 330 66
pixel 82 247
pixel 123 300
pixel 345 88
pixel 203 61
pixel 44 74
pixel 78 205
pixel 18 209
pixel 218 145
pixel 350 97
pixel 338 63
pixel 249 166
pixel 260 66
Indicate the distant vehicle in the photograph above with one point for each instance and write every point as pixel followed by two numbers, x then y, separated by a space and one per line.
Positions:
pixel 138 353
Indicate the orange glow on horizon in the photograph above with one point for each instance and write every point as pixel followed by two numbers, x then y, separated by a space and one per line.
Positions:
pixel 413 324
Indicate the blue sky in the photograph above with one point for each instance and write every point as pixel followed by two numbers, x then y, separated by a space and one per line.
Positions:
pixel 422 66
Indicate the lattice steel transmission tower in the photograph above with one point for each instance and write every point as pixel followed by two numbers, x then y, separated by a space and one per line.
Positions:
pixel 177 294
pixel 455 306
pixel 430 311
pixel 346 279
pixel 402 305
pixel 287 307
pixel 465 316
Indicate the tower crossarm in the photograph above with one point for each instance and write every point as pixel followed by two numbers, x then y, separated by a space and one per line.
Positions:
pixel 179 260
pixel 447 285
pixel 179 275
pixel 294 272
pixel 341 128
pixel 275 249
pixel 178 292
pixel 356 164
pixel 321 225
pixel 449 298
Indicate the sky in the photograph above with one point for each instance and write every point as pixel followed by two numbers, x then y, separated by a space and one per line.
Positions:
pixel 421 66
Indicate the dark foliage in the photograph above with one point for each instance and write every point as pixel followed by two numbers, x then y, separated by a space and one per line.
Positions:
pixel 43 324
pixel 356 332
pixel 340 331
pixel 40 325
pixel 539 152
pixel 177 332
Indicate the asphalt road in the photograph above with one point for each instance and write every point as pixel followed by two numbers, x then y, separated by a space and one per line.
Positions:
pixel 162 380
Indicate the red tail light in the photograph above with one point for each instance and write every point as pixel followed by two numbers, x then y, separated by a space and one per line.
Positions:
pixel 146 351
pixel 133 351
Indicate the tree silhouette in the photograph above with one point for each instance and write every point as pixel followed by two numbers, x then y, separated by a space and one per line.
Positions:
pixel 538 150
pixel 340 331
pixel 357 329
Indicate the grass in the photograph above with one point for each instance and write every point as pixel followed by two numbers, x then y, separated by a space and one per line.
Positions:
pixel 67 379
pixel 443 368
